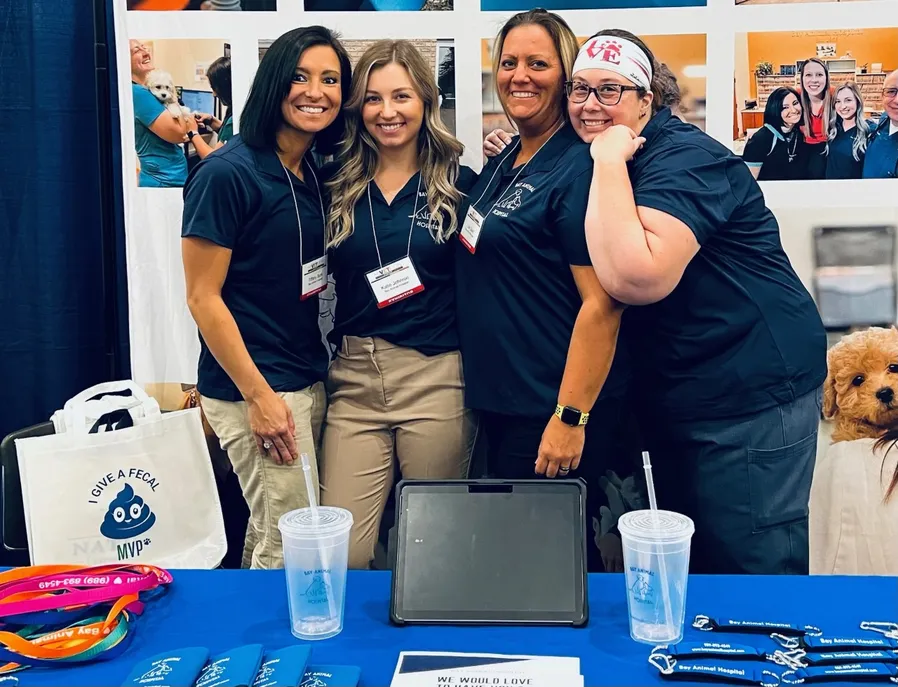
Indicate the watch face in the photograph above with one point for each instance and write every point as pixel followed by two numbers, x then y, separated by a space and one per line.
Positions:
pixel 570 416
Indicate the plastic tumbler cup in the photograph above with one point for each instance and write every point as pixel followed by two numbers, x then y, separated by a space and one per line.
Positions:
pixel 316 552
pixel 656 562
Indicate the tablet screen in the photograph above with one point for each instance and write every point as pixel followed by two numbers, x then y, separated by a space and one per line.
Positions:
pixel 492 555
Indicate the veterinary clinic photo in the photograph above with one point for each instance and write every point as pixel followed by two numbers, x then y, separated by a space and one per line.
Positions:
pixel 846 258
pixel 449 343
pixel 817 105
pixel 182 106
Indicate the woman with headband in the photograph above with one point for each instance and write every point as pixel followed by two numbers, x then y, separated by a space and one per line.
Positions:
pixel 729 351
pixel 538 333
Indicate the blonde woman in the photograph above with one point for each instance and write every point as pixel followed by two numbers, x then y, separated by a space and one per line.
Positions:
pixel 395 387
pixel 848 132
pixel 816 113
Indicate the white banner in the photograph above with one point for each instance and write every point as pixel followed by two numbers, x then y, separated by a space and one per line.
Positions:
pixel 726 56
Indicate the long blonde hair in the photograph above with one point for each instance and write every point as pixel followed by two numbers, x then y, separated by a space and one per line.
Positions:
pixel 861 128
pixel 438 150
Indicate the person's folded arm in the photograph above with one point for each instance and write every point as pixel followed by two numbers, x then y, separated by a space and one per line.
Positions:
pixel 642 238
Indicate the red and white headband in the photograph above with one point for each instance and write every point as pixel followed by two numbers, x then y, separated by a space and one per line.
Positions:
pixel 617 55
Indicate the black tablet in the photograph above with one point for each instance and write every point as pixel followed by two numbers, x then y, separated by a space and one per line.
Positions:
pixel 490 552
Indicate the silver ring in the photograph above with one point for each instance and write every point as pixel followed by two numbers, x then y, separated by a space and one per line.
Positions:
pixel 266 445
pixel 565 470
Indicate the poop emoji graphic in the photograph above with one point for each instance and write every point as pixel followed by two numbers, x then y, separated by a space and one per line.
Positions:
pixel 128 516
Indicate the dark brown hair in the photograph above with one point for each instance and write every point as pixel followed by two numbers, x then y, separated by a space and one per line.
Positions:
pixel 890 437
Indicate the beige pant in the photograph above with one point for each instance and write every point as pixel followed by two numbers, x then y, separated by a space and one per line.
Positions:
pixel 387 401
pixel 270 490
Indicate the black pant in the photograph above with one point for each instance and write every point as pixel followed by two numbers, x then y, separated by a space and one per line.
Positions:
pixel 511 444
pixel 745 482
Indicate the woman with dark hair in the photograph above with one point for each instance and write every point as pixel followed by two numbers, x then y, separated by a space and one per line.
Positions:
pixel 219 75
pixel 776 151
pixel 730 347
pixel 254 261
pixel 538 333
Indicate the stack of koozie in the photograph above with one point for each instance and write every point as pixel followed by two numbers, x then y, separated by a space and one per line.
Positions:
pixel 250 665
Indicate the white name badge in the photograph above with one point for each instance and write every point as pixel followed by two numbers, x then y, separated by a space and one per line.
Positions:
pixel 395 282
pixel 470 230
pixel 314 277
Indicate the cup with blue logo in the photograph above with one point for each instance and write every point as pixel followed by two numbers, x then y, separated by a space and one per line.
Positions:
pixel 656 546
pixel 316 556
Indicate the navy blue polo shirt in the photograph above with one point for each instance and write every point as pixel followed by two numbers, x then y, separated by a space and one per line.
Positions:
pixel 740 332
pixel 840 162
pixel 881 161
pixel 239 198
pixel 517 298
pixel 425 321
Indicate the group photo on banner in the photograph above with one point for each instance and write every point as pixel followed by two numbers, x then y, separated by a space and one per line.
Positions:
pixel 458 327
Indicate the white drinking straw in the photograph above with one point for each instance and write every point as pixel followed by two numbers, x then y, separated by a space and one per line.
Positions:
pixel 653 505
pixel 313 505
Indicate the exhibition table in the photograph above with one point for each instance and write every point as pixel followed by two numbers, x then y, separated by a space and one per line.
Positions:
pixel 223 609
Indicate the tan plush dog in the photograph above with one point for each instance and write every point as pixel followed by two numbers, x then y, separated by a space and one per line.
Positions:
pixel 861 388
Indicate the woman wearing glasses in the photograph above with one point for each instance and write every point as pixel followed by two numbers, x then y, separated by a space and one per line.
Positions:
pixel 538 333
pixel 731 350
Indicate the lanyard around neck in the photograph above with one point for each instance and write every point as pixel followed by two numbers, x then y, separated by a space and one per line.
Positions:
pixel 408 250
pixel 296 207
pixel 520 171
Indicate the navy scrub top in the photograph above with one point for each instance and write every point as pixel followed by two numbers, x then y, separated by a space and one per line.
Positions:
pixel 840 162
pixel 517 298
pixel 425 321
pixel 740 332
pixel 881 161
pixel 239 198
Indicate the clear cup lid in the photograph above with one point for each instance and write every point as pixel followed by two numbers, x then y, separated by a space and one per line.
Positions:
pixel 660 525
pixel 326 522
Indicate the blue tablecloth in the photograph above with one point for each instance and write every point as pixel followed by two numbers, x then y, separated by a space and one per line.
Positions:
pixel 223 609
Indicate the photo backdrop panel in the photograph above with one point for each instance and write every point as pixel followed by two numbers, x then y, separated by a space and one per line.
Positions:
pixel 684 55
pixel 210 5
pixel 847 77
pixel 377 5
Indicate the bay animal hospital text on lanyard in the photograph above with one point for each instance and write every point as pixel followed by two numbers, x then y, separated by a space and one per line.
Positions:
pixel 399 279
pixel 314 272
pixel 470 231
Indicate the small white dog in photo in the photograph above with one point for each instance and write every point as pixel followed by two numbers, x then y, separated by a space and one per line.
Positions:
pixel 162 86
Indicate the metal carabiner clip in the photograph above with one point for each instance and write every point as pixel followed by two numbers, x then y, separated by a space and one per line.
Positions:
pixel 889 629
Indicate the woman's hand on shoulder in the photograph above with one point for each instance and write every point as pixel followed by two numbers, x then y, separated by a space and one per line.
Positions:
pixel 617 143
pixel 495 142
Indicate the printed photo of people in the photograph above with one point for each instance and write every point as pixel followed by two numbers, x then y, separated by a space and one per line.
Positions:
pixel 377 5
pixel 213 5
pixel 555 5
pixel 817 104
pixel 440 56
pixel 181 91
pixel 682 58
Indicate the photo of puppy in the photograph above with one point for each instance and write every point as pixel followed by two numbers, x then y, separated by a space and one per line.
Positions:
pixel 861 389
pixel 162 86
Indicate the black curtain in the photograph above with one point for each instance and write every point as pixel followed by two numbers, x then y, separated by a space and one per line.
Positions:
pixel 63 324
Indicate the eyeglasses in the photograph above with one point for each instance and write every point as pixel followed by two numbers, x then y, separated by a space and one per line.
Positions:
pixel 889 93
pixel 607 94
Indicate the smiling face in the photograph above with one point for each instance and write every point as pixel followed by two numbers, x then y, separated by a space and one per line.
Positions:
pixel 846 104
pixel 813 79
pixel 890 96
pixel 530 75
pixel 791 111
pixel 392 111
pixel 141 61
pixel 618 103
pixel 315 96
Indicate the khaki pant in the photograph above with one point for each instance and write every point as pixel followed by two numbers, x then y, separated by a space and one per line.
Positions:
pixel 270 490
pixel 387 401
